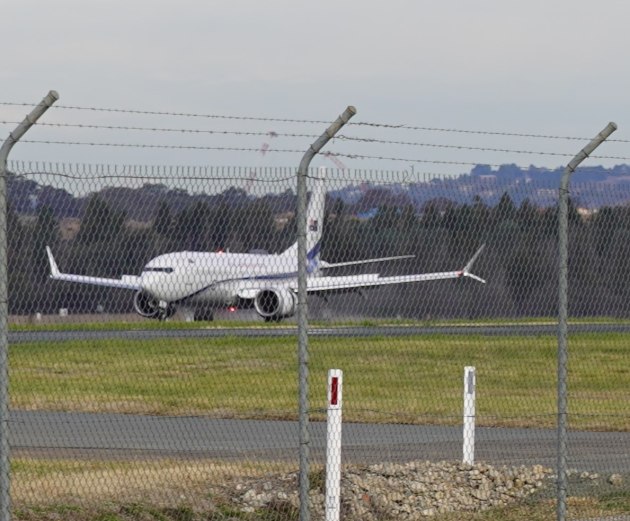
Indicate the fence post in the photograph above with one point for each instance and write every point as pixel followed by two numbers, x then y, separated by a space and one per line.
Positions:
pixel 563 210
pixel 333 444
pixel 14 137
pixel 301 305
pixel 469 415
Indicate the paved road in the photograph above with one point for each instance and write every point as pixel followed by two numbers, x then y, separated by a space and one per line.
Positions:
pixel 57 434
pixel 351 331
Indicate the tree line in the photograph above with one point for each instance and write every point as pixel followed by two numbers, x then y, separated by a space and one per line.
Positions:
pixel 519 261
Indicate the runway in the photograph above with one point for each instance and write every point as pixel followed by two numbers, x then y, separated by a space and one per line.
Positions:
pixel 534 329
pixel 117 436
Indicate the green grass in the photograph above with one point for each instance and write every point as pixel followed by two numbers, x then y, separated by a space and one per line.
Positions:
pixel 68 323
pixel 139 325
pixel 399 379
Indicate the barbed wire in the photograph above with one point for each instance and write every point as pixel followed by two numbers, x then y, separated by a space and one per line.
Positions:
pixel 494 133
pixel 275 134
pixel 171 130
pixel 400 126
pixel 170 147
pixel 296 151
pixel 475 148
pixel 413 160
pixel 455 147
pixel 249 149
pixel 342 137
pixel 180 114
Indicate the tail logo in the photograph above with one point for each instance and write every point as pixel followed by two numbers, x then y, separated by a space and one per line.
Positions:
pixel 313 225
pixel 312 259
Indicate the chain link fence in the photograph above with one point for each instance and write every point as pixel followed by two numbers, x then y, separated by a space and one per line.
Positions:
pixel 154 376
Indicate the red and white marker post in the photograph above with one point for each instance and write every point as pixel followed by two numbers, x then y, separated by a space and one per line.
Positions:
pixel 333 445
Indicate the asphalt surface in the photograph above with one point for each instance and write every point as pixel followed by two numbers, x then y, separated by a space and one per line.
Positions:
pixel 16 337
pixel 118 436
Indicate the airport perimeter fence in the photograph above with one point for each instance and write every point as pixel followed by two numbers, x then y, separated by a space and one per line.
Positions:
pixel 125 415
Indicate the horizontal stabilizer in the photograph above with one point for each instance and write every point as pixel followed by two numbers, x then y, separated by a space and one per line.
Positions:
pixel 324 264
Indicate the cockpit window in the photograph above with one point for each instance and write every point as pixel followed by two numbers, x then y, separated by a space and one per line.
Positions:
pixel 160 270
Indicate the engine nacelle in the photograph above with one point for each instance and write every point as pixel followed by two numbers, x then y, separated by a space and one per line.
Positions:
pixel 145 305
pixel 149 307
pixel 275 304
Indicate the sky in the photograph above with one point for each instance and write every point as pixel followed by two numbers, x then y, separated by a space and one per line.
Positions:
pixel 544 67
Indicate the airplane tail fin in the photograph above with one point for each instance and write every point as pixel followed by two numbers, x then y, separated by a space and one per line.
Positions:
pixel 314 224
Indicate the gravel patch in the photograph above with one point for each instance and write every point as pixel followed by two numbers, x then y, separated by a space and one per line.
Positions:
pixel 410 491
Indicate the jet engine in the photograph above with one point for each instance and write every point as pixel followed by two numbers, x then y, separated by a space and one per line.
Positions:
pixel 149 307
pixel 275 304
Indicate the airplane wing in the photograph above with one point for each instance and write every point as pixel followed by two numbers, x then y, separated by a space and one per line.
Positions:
pixel 274 297
pixel 250 289
pixel 125 282
pixel 332 284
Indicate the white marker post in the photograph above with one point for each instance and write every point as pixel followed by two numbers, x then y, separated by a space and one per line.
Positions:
pixel 469 415
pixel 333 445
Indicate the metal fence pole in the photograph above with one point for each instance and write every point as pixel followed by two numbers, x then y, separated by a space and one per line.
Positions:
pixel 301 306
pixel 14 137
pixel 563 313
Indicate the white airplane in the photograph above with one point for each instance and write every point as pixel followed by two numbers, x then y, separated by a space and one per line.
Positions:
pixel 199 282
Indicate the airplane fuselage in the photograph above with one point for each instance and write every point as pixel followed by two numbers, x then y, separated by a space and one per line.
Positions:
pixel 209 278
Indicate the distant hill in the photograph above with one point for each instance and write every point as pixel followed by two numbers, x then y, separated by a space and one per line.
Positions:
pixel 592 187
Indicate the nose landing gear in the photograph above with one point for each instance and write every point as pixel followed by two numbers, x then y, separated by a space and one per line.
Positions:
pixel 167 310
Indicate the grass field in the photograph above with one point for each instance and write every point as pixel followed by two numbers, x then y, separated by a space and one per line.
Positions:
pixel 399 379
pixel 133 322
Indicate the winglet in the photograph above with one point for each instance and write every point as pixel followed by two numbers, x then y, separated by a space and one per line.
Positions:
pixel 466 271
pixel 54 269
